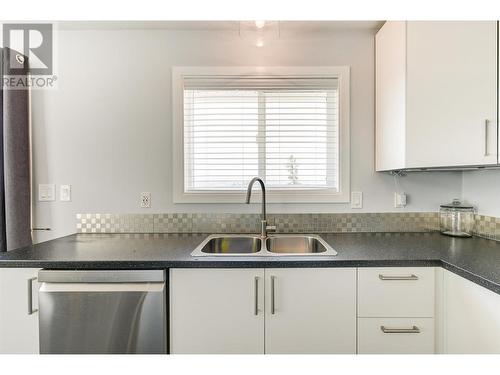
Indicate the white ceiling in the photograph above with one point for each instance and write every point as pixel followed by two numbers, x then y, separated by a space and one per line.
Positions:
pixel 293 26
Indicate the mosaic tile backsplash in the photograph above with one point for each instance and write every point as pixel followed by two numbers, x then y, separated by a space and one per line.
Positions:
pixel 250 223
pixel 487 227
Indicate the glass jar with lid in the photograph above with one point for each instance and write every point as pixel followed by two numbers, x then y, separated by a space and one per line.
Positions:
pixel 456 219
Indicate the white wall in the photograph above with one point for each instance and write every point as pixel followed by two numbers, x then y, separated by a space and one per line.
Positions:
pixel 482 189
pixel 106 130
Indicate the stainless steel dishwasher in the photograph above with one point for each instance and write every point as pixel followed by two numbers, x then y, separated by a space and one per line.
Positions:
pixel 102 312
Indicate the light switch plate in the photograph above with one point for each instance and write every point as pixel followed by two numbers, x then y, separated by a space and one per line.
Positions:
pixel 65 193
pixel 46 192
pixel 357 199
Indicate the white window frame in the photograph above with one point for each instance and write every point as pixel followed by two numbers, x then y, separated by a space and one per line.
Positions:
pixel 273 196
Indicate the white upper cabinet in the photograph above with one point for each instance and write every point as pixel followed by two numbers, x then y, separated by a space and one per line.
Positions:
pixel 436 94
pixel 390 96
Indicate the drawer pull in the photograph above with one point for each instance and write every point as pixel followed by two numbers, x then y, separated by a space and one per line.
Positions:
pixel 395 278
pixel 414 329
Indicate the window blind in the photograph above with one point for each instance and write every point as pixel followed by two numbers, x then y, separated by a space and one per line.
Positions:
pixel 283 129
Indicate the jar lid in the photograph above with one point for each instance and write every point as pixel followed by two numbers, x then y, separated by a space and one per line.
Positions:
pixel 457 204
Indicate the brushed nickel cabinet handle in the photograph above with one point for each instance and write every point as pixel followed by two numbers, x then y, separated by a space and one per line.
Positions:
pixel 31 311
pixel 256 296
pixel 486 126
pixel 413 329
pixel 395 278
pixel 273 309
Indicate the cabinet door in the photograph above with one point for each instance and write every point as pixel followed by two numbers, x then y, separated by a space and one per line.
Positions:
pixel 18 312
pixel 217 311
pixel 310 310
pixel 451 93
pixel 390 96
pixel 471 317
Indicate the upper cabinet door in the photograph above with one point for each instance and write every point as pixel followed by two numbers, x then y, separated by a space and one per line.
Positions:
pixel 217 311
pixel 310 310
pixel 390 96
pixel 451 93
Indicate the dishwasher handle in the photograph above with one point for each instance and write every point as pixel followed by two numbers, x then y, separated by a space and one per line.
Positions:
pixel 105 276
pixel 101 287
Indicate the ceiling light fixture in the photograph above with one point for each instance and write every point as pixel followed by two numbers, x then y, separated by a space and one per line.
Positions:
pixel 260 24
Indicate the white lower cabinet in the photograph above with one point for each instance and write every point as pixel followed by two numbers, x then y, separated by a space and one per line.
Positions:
pixel 18 311
pixel 396 292
pixel 217 311
pixel 222 310
pixel 471 317
pixel 395 336
pixel 396 309
pixel 310 310
pixel 298 310
pixel 386 310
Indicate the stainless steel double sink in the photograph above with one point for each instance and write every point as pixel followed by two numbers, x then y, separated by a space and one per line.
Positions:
pixel 273 245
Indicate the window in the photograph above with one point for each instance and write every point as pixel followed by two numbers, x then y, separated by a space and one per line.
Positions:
pixel 286 128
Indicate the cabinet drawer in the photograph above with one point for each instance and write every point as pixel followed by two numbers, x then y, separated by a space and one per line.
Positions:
pixel 395 335
pixel 396 292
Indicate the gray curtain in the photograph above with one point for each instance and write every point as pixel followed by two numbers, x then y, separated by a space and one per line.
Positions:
pixel 15 200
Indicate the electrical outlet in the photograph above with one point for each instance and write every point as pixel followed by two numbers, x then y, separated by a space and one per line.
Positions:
pixel 145 199
pixel 399 200
pixel 356 199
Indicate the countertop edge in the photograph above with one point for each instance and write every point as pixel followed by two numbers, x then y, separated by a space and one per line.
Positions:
pixel 476 279
pixel 490 285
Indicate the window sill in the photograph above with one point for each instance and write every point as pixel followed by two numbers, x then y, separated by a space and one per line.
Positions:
pixel 271 197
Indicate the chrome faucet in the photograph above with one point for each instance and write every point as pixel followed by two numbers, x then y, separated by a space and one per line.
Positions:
pixel 263 219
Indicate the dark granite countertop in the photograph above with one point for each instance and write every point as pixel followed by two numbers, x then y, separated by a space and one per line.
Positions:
pixel 476 259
